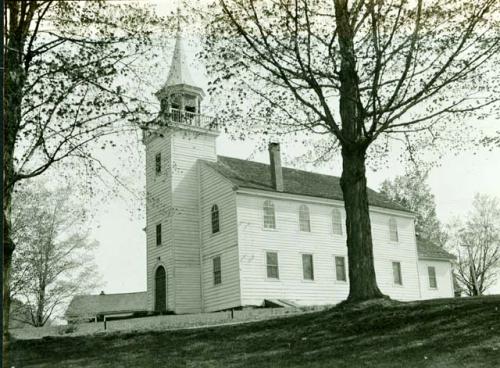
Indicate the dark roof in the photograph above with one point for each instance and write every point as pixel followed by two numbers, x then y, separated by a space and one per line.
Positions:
pixel 256 175
pixel 429 250
pixel 83 306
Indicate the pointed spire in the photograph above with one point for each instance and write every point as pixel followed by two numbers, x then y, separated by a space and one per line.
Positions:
pixel 179 69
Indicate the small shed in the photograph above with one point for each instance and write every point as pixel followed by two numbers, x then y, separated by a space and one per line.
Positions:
pixel 95 307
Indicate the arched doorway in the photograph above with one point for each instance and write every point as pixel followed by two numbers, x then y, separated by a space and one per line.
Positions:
pixel 160 290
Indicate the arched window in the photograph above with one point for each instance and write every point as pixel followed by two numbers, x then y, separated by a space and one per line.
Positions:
pixel 304 221
pixel 337 222
pixel 269 216
pixel 393 229
pixel 215 219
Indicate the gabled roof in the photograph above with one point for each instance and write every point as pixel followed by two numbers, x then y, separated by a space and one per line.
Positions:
pixel 429 250
pixel 92 305
pixel 256 175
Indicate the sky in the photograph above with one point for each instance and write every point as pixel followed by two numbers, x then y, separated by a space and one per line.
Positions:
pixel 121 256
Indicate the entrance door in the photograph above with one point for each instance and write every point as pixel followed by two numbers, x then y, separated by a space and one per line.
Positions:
pixel 160 290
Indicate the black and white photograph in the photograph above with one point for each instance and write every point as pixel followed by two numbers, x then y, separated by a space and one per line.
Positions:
pixel 251 183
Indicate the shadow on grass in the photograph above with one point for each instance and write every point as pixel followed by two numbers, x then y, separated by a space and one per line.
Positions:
pixel 451 332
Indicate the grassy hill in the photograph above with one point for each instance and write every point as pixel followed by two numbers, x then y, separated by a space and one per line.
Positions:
pixel 461 332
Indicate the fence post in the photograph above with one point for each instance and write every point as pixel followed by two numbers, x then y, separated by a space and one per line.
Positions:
pixel 104 322
pixel 232 313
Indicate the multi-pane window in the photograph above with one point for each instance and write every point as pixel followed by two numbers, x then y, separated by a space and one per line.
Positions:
pixel 393 229
pixel 396 273
pixel 432 277
pixel 307 266
pixel 272 265
pixel 337 222
pixel 158 163
pixel 269 215
pixel 217 270
pixel 340 269
pixel 158 234
pixel 304 220
pixel 215 219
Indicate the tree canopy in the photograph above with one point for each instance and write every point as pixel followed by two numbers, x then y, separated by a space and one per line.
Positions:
pixel 73 78
pixel 54 259
pixel 360 74
pixel 476 242
pixel 412 191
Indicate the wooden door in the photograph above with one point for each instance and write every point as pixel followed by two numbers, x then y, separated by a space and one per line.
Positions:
pixel 160 290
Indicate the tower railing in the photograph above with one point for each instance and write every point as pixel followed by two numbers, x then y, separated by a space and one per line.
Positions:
pixel 191 118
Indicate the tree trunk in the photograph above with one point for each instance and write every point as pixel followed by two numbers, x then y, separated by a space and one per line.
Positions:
pixel 362 279
pixel 13 82
pixel 363 283
pixel 8 250
pixel 40 306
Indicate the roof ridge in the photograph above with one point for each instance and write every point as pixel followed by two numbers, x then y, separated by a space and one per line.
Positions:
pixel 256 175
pixel 133 292
pixel 284 167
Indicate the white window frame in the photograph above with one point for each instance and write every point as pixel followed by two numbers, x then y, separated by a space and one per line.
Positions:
pixel 337 227
pixel 304 210
pixel 219 257
pixel 212 232
pixel 312 267
pixel 429 277
pixel 393 230
pixel 400 274
pixel 268 265
pixel 335 256
pixel 268 205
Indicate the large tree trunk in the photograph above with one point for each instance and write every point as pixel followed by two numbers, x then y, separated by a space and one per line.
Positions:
pixel 363 283
pixel 362 279
pixel 13 82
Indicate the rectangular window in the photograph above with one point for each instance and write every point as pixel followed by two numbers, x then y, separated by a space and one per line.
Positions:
pixel 340 269
pixel 393 230
pixel 396 273
pixel 158 163
pixel 432 277
pixel 217 271
pixel 272 265
pixel 269 215
pixel 307 266
pixel 158 234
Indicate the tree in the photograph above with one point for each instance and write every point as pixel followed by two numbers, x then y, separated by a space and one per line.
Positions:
pixel 359 73
pixel 412 191
pixel 476 243
pixel 72 78
pixel 54 260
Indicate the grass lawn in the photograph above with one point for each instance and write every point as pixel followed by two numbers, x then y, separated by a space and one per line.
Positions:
pixel 462 332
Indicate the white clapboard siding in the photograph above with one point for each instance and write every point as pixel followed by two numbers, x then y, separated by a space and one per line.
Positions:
pixel 404 251
pixel 217 190
pixel 443 278
pixel 290 243
pixel 187 147
pixel 159 210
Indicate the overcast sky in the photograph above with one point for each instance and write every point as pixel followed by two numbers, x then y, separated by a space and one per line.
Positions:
pixel 121 256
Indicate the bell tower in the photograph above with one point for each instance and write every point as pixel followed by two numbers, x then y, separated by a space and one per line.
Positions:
pixel 175 141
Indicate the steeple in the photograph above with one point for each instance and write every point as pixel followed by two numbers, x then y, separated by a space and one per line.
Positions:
pixel 179 68
pixel 180 92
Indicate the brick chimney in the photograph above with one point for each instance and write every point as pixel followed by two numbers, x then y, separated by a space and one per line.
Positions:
pixel 276 170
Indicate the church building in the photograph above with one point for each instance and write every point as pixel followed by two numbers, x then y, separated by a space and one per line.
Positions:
pixel 226 233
